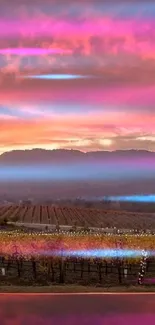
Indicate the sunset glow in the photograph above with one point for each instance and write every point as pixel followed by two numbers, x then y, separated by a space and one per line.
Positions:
pixel 77 79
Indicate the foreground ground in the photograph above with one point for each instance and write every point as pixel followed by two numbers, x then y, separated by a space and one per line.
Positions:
pixel 84 309
pixel 74 289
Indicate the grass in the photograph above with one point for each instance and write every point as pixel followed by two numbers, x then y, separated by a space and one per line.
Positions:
pixel 73 289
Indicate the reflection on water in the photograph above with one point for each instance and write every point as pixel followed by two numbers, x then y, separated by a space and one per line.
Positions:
pixel 43 310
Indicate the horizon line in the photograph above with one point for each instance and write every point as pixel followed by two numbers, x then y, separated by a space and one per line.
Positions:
pixel 77 150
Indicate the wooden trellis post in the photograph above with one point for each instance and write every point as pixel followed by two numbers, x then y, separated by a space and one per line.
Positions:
pixel 61 266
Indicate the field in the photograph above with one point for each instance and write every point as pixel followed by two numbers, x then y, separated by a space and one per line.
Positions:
pixel 25 264
pixel 43 214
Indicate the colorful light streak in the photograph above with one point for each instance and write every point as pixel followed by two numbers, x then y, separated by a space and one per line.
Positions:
pixel 98 253
pixel 56 76
pixel 143 267
pixel 33 51
pixel 78 172
pixel 134 198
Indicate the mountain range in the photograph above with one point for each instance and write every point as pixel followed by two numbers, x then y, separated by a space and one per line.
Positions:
pixel 62 156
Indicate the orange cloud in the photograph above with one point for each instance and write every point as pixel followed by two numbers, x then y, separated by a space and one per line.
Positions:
pixel 74 131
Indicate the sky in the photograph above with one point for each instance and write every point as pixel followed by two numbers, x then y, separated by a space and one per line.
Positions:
pixel 77 74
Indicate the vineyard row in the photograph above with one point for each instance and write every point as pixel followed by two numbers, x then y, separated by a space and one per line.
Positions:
pixel 81 217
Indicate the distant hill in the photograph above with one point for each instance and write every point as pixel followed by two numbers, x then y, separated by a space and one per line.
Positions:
pixel 62 156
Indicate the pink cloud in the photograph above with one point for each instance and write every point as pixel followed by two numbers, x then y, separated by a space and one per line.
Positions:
pixel 118 51
pixel 116 98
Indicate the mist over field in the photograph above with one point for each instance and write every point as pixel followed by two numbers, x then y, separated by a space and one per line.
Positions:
pixel 63 174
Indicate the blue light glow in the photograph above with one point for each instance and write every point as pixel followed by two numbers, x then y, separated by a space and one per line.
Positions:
pixel 77 171
pixel 104 253
pixel 56 76
pixel 99 253
pixel 133 198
